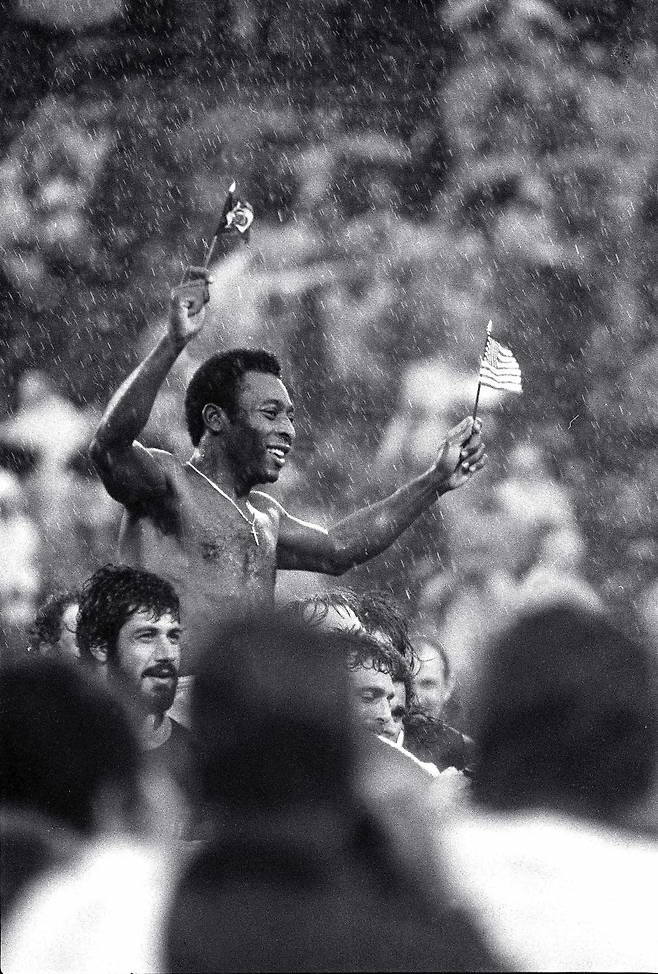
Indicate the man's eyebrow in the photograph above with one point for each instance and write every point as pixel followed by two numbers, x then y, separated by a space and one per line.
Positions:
pixel 279 403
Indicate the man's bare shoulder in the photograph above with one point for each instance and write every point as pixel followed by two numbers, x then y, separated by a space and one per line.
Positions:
pixel 171 472
pixel 166 460
pixel 265 502
pixel 162 456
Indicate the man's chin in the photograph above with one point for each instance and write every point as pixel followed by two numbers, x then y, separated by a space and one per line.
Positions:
pixel 159 699
pixel 269 476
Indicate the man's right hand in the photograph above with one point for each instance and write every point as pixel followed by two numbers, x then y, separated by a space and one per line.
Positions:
pixel 187 300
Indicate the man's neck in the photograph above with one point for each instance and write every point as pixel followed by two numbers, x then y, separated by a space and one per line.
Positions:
pixel 217 466
pixel 155 731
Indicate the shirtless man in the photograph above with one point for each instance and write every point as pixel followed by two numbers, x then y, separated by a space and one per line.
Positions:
pixel 201 524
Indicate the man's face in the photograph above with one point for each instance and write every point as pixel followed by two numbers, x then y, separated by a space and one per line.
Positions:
pixel 432 688
pixel 148 656
pixel 263 432
pixel 66 645
pixel 398 707
pixel 373 694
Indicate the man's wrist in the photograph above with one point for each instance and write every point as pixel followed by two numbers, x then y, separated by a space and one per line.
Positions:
pixel 438 481
pixel 175 343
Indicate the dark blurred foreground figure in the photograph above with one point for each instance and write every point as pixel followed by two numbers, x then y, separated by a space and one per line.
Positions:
pixel 66 756
pixel 559 858
pixel 81 889
pixel 297 876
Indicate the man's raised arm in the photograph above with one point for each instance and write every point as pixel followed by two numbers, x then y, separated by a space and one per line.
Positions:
pixel 371 530
pixel 129 472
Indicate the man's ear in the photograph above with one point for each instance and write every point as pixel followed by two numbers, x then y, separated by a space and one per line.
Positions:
pixel 215 418
pixel 99 653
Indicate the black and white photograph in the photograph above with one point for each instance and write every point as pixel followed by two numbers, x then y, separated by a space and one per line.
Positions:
pixel 328 486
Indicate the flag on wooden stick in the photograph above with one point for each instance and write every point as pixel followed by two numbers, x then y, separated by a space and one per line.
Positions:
pixel 498 369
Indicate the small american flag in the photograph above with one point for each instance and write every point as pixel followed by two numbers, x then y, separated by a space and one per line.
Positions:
pixel 498 367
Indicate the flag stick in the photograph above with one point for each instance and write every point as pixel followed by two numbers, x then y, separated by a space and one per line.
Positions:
pixel 211 247
pixel 477 394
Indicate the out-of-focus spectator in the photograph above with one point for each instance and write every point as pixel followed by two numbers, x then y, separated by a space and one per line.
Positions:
pixel 567 735
pixel 20 544
pixel 53 632
pixel 45 421
pixel 85 535
pixel 511 548
pixel 69 777
pixel 433 680
pixel 129 624
pixel 297 876
pixel 427 734
pixel 51 428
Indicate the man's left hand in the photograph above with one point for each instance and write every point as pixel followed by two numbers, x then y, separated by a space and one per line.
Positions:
pixel 460 455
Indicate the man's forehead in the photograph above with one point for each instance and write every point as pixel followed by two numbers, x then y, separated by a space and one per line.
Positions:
pixel 263 386
pixel 368 676
pixel 431 665
pixel 145 616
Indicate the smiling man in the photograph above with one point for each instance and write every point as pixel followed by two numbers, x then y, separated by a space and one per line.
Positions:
pixel 202 524
pixel 128 623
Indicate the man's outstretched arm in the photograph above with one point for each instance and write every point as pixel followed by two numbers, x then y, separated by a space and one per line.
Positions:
pixel 371 530
pixel 129 472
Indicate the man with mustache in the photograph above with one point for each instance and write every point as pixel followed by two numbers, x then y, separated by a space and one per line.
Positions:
pixel 129 624
pixel 202 524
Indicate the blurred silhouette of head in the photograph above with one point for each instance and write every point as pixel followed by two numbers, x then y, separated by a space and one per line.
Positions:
pixel 272 716
pixel 568 717
pixel 299 875
pixel 67 745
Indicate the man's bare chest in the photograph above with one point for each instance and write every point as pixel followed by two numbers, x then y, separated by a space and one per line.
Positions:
pixel 222 538
pixel 198 531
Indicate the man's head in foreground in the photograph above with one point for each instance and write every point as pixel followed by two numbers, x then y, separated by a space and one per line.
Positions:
pixel 68 749
pixel 130 621
pixel 272 718
pixel 237 401
pixel 567 717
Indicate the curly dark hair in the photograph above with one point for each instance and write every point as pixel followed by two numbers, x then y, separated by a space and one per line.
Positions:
pixel 218 381
pixel 365 652
pixel 378 613
pixel 47 626
pixel 111 596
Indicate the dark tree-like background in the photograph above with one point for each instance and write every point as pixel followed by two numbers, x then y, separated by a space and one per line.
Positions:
pixel 416 168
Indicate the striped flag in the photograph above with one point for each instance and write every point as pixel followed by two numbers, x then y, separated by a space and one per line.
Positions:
pixel 498 367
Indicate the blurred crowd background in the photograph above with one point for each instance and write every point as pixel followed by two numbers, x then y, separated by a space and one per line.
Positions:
pixel 416 169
